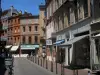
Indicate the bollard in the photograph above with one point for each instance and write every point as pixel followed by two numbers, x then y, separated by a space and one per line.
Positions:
pixel 46 64
pixel 51 66
pixel 38 60
pixel 41 62
pixel 61 69
pixel 56 68
pixel 35 59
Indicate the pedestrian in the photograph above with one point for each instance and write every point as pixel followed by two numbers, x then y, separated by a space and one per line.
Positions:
pixel 2 62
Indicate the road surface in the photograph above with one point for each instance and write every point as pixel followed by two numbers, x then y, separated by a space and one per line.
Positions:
pixel 22 66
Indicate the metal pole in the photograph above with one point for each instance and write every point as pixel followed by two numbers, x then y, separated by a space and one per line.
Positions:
pixel 52 60
pixel 56 61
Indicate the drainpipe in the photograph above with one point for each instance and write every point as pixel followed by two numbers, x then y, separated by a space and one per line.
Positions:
pixel 92 3
pixel 11 9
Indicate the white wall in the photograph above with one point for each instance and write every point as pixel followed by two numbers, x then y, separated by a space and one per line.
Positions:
pixel 49 30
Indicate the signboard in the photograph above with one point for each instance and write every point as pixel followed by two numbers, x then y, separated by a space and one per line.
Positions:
pixel 48 42
pixel 27 47
pixel 32 47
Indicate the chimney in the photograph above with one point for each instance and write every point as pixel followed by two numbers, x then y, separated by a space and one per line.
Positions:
pixel 20 11
pixel 11 9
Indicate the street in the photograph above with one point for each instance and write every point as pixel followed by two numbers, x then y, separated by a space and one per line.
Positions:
pixel 22 66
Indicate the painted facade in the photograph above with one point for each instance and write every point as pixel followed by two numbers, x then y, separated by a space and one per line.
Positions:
pixel 5 15
pixel 29 29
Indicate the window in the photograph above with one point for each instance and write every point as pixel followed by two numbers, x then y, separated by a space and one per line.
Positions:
pixel 65 19
pixel 85 8
pixel 11 38
pixel 23 29
pixel 8 38
pixel 30 40
pixel 15 30
pixel 29 28
pixel 36 39
pixel 36 28
pixel 18 38
pixel 18 20
pixel 15 20
pixel 58 23
pixel 8 21
pixel 23 39
pixel 11 29
pixel 15 38
pixel 80 10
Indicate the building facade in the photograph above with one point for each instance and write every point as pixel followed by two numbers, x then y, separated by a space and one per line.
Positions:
pixel 5 15
pixel 14 30
pixel 73 20
pixel 42 28
pixel 29 30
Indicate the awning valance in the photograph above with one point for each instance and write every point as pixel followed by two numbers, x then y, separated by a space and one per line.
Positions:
pixel 27 47
pixel 70 42
pixel 59 42
pixel 8 46
pixel 14 48
pixel 96 36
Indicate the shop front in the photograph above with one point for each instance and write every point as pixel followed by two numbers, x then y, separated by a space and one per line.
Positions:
pixel 14 49
pixel 95 46
pixel 29 49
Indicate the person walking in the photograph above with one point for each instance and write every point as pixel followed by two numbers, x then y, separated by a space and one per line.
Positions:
pixel 2 62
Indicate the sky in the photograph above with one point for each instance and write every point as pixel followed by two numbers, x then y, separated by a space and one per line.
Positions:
pixel 31 6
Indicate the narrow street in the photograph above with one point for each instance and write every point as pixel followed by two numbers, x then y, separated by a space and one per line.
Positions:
pixel 22 66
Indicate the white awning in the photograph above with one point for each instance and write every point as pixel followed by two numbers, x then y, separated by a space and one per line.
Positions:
pixel 96 36
pixel 8 46
pixel 14 48
pixel 70 42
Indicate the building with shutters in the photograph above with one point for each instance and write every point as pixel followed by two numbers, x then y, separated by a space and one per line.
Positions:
pixel 76 24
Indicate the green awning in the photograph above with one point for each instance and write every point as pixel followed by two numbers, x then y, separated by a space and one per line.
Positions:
pixel 29 47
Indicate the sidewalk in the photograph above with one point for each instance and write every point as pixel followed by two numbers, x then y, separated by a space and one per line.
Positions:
pixel 56 69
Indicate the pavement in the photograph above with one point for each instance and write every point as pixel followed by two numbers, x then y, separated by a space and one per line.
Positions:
pixel 22 66
pixel 59 71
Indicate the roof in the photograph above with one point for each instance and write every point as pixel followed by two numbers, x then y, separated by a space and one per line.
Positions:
pixel 14 17
pixel 6 12
pixel 28 15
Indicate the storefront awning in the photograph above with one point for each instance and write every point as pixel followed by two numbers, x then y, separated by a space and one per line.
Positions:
pixel 8 46
pixel 27 47
pixel 96 36
pixel 14 48
pixel 59 42
pixel 36 46
pixel 70 42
